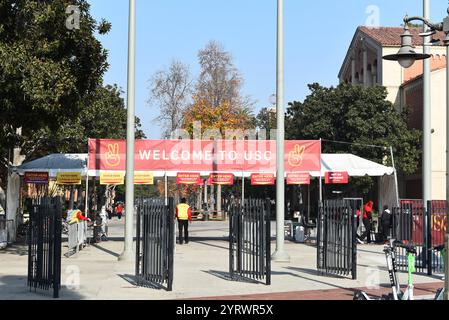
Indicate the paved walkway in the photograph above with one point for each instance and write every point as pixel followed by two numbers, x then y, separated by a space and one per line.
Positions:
pixel 201 271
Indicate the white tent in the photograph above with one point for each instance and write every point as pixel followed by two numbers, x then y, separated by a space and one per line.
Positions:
pixel 353 165
pixel 55 163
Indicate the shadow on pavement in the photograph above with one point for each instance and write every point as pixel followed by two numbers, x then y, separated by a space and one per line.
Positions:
pixel 209 244
pixel 15 288
pixel 131 279
pixel 112 253
pixel 226 276
pixel 16 249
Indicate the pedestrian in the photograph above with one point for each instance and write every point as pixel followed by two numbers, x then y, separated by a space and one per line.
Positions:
pixel 119 210
pixel 184 216
pixel 386 223
pixel 367 221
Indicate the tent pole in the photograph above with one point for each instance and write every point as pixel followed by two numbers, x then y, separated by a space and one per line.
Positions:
pixel 395 177
pixel 166 188
pixel 86 208
pixel 243 189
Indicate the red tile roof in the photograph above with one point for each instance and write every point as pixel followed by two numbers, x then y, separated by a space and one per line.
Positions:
pixel 391 36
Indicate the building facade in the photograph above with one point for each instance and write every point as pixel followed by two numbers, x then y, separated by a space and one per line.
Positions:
pixel 363 65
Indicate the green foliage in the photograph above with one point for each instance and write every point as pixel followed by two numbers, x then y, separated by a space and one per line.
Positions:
pixel 51 80
pixel 357 115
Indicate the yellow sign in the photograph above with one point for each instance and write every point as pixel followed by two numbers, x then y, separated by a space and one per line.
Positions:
pixel 68 178
pixel 112 178
pixel 143 177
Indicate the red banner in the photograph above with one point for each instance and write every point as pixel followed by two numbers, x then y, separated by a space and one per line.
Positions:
pixel 262 179
pixel 188 178
pixel 224 179
pixel 337 178
pixel 209 156
pixel 36 177
pixel 298 178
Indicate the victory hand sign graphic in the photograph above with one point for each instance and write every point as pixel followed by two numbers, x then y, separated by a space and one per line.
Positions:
pixel 113 155
pixel 296 156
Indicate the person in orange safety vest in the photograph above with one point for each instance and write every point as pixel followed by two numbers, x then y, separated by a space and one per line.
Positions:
pixel 184 216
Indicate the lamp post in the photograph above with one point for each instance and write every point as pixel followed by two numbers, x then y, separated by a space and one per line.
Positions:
pixel 280 255
pixel 127 254
pixel 406 58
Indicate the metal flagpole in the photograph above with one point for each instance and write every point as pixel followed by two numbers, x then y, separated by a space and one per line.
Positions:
pixel 280 255
pixel 127 254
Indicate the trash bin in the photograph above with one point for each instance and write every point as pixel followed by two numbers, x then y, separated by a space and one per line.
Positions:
pixel 3 234
pixel 300 234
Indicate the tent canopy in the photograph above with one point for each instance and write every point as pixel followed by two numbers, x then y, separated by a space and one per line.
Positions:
pixel 355 166
pixel 55 163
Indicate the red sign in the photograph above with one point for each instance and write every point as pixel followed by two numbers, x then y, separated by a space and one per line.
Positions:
pixel 262 179
pixel 298 178
pixel 189 178
pixel 209 156
pixel 224 179
pixel 337 178
pixel 36 177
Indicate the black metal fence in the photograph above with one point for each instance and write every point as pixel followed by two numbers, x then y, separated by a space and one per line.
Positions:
pixel 336 238
pixel 250 241
pixel 155 243
pixel 44 245
pixel 425 229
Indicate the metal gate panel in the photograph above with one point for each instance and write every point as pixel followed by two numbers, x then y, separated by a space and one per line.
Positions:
pixel 155 243
pixel 336 238
pixel 250 241
pixel 44 245
pixel 409 227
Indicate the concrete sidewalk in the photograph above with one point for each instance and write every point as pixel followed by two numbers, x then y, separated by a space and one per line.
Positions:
pixel 201 271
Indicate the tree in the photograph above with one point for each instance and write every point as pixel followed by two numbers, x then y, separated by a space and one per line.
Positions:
pixel 51 79
pixel 223 117
pixel 171 90
pixel 105 118
pixel 266 120
pixel 219 80
pixel 360 116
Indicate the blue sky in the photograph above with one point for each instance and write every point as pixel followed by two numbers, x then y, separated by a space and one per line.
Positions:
pixel 317 36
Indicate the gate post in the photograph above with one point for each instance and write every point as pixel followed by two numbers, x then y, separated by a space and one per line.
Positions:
pixel 354 242
pixel 138 226
pixel 268 241
pixel 428 240
pixel 171 242
pixel 57 247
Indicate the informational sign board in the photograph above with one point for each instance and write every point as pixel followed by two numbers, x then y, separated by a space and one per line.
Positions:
pixel 299 178
pixel 224 179
pixel 262 179
pixel 109 178
pixel 189 178
pixel 337 178
pixel 68 178
pixel 36 177
pixel 143 178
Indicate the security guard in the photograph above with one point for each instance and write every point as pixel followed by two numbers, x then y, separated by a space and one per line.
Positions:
pixel 184 216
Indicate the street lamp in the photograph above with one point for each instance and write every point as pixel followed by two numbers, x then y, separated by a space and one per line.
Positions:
pixel 406 58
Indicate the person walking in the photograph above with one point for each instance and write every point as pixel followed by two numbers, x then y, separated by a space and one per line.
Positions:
pixel 184 216
pixel 367 221
pixel 119 210
pixel 386 223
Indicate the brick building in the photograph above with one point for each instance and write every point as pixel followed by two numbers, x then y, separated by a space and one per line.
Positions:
pixel 363 65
